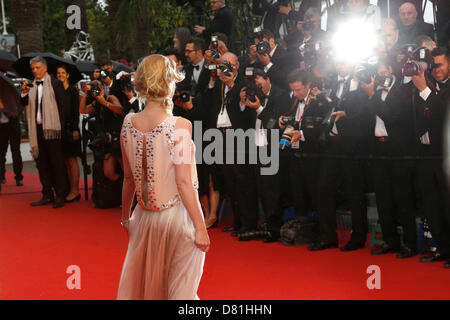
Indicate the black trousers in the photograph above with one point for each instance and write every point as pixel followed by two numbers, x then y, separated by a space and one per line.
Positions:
pixel 51 167
pixel 240 185
pixel 304 173
pixel 333 169
pixel 11 132
pixel 393 183
pixel 268 192
pixel 436 201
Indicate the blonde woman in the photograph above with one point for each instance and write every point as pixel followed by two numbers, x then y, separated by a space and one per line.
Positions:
pixel 167 233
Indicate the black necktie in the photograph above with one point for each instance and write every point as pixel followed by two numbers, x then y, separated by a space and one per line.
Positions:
pixel 39 83
pixel 197 67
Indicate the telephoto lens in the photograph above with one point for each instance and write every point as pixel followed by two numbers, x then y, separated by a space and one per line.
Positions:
pixel 412 68
pixel 285 141
pixel 226 68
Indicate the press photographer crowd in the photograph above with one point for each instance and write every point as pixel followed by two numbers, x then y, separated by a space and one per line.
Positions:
pixel 359 109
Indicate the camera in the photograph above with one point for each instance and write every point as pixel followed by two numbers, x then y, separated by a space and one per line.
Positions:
pixel 96 88
pixel 262 47
pixel 214 47
pixel 251 89
pixel 285 141
pixel 126 81
pixel 104 73
pixel 368 71
pixel 226 68
pixel 182 92
pixel 213 70
pixel 416 60
pixel 309 51
pixel 384 82
pixel 307 25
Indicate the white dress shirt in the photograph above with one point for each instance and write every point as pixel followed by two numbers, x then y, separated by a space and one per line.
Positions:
pixel 260 133
pixel 196 73
pixel 380 128
pixel 340 90
pixel 424 94
pixel 40 90
pixel 223 120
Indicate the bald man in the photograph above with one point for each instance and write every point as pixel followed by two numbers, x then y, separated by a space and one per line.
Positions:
pixel 410 25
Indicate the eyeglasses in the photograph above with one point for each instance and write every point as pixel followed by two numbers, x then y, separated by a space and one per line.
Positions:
pixel 188 51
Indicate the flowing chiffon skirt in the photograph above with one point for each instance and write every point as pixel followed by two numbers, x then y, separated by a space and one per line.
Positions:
pixel 162 261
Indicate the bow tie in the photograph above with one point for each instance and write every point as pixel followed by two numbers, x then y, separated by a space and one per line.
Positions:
pixel 197 67
pixel 39 83
pixel 341 80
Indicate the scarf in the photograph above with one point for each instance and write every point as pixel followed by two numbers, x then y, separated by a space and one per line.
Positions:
pixel 51 124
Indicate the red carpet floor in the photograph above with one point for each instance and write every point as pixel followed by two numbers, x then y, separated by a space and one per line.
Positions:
pixel 37 245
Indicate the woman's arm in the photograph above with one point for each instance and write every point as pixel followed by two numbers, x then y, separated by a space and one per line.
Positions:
pixel 183 162
pixel 85 109
pixel 128 188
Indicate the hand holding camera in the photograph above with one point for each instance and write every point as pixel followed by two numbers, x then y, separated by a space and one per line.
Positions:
pixel 338 115
pixel 26 87
pixel 420 81
pixel 253 104
pixel 369 89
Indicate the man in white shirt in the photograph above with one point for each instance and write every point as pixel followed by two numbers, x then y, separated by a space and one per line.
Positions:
pixel 272 58
pixel 392 137
pixel 225 115
pixel 303 165
pixel 45 132
pixel 432 108
pixel 267 106
pixel 344 142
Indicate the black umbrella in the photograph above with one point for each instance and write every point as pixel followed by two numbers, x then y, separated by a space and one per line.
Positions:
pixel 6 60
pixel 22 66
pixel 86 66
pixel 117 67
pixel 9 96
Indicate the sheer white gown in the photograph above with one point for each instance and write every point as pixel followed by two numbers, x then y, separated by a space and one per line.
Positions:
pixel 162 261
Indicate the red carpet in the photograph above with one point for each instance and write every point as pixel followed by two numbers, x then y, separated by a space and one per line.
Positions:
pixel 37 245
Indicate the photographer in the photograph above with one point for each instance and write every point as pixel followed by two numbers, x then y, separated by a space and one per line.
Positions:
pixel 309 107
pixel 188 101
pixel 345 138
pixel 118 85
pixel 216 48
pixel 307 31
pixel 264 103
pixel 272 58
pixel 108 121
pixel 431 109
pixel 224 113
pixel 392 135
pixel 223 21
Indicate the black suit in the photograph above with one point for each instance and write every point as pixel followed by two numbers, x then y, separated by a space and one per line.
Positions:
pixel 435 191
pixel 303 163
pixel 267 187
pixel 10 131
pixel 50 162
pixel 198 114
pixel 223 22
pixel 408 34
pixel 197 89
pixel 349 142
pixel 393 179
pixel 237 178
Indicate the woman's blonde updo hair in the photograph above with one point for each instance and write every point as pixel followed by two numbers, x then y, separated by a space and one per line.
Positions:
pixel 156 78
